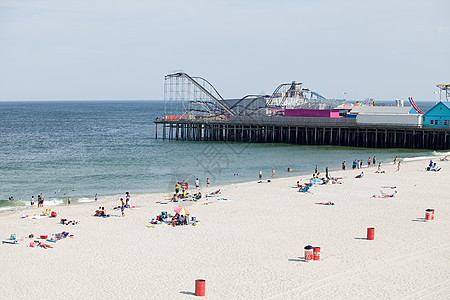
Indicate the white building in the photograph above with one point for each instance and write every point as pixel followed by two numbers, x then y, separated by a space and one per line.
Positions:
pixel 386 115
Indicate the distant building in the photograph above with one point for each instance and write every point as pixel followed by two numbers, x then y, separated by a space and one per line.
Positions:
pixel 386 115
pixel 438 116
pixel 312 113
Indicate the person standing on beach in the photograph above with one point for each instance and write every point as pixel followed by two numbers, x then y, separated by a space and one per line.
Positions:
pixel 273 173
pixel 360 163
pixel 343 165
pixel 96 197
pixel 316 170
pixel 207 182
pixel 354 164
pixel 368 162
pixel 32 201
pixel 197 183
pixel 127 205
pixel 68 201
pixel 122 207
pixel 398 167
pixel 42 200
pixel 177 188
pixel 395 160
pixel 374 161
pixel 260 174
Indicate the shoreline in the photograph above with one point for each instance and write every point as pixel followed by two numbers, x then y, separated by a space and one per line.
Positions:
pixel 115 197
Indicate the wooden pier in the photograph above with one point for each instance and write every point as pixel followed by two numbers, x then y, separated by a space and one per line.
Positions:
pixel 304 131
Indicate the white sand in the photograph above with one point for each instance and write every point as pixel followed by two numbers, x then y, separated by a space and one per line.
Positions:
pixel 249 248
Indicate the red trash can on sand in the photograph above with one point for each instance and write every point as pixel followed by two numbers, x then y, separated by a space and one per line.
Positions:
pixel 429 215
pixel 316 253
pixel 200 287
pixel 370 233
pixel 309 253
pixel 53 214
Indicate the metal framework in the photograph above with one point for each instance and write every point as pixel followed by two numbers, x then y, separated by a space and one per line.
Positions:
pixel 444 88
pixel 191 97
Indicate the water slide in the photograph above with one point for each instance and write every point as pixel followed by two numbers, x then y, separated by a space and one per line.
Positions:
pixel 414 105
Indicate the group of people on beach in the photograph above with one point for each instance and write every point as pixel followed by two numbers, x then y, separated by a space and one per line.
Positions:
pixel 358 164
pixel 182 190
pixel 101 212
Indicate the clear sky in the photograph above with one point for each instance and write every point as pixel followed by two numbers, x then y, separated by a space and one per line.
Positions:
pixel 107 49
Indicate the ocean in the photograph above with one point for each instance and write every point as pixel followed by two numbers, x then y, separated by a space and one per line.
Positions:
pixel 79 148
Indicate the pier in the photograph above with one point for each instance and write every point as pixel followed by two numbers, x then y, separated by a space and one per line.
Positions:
pixel 196 111
pixel 303 131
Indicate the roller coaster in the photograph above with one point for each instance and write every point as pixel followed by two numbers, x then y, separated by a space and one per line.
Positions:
pixel 196 97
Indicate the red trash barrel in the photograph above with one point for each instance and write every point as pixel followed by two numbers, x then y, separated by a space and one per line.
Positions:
pixel 316 253
pixel 370 233
pixel 429 214
pixel 200 287
pixel 309 253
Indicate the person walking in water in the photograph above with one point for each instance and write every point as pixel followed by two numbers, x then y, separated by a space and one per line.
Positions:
pixel 273 173
pixel 96 197
pixel 68 201
pixel 207 182
pixel 343 165
pixel 368 162
pixel 316 170
pixel 260 174
pixel 32 201
pixel 197 183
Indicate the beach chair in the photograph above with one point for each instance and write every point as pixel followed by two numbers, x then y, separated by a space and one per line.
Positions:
pixel 12 237
pixel 46 212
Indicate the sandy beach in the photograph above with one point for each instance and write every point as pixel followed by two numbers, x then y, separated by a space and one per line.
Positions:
pixel 248 247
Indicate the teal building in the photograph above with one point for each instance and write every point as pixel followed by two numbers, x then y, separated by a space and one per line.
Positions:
pixel 438 116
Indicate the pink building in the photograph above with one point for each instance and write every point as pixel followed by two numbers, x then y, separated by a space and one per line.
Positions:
pixel 312 113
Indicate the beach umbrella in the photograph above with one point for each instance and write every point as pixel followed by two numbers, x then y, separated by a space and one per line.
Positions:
pixel 181 210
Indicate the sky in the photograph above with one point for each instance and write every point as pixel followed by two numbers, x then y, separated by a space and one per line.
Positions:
pixel 121 50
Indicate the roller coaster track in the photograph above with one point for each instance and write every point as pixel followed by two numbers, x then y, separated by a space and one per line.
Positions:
pixel 204 90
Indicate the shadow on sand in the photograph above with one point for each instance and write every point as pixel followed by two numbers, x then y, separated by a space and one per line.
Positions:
pixel 187 293
pixel 419 220
pixel 299 259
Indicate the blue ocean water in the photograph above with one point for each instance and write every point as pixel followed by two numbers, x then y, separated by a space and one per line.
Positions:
pixel 79 148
